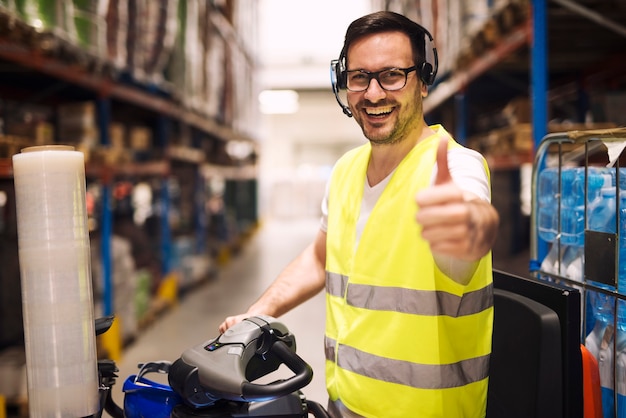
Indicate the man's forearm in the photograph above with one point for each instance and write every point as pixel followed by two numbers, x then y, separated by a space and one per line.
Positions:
pixel 302 279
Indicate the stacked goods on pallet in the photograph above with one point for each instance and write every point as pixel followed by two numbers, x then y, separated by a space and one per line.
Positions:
pixel 185 68
pixel 438 17
pixel 116 34
pixel 77 126
pixel 210 67
pixel 88 22
pixel 453 24
pixel 610 106
pixel 450 22
pixel 23 125
pixel 71 30
pixel 190 50
pixel 212 64
pixel 512 137
pixel 46 16
pixel 212 44
pixel 151 29
pixel 244 87
pixel 161 27
pixel 486 26
pixel 125 285
pixel 175 69
pixel 134 38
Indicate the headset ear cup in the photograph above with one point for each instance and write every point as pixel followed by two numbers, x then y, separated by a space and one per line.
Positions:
pixel 426 73
pixel 341 75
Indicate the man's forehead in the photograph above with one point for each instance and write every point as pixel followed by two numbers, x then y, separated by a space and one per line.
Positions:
pixel 380 49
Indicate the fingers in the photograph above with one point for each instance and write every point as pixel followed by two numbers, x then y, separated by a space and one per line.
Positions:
pixel 449 231
pixel 443 173
pixel 442 212
pixel 223 326
pixel 443 190
pixel 230 321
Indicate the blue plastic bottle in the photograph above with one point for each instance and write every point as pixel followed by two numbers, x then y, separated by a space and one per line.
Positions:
pixel 573 202
pixel 600 343
pixel 620 359
pixel 547 196
pixel 602 215
pixel 572 207
pixel 621 278
pixel 602 218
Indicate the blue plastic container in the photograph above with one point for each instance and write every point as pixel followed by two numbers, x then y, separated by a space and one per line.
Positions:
pixel 144 398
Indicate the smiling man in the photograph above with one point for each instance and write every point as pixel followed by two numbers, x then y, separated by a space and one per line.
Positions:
pixel 403 251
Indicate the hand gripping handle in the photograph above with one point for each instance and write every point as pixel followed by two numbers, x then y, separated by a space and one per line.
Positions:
pixel 302 377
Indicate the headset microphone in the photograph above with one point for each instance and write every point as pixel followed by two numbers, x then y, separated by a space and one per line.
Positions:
pixel 334 64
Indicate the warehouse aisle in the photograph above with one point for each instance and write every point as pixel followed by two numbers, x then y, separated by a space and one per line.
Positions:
pixel 236 285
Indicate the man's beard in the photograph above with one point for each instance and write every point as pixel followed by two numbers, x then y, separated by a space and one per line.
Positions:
pixel 400 129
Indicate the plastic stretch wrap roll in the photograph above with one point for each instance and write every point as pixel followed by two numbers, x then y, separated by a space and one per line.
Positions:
pixel 55 269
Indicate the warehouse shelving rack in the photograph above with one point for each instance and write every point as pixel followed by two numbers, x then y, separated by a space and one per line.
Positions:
pixel 44 66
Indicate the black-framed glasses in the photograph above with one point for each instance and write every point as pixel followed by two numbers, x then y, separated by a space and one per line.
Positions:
pixel 390 79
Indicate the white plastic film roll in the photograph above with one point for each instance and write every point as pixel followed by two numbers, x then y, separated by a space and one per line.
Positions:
pixel 55 269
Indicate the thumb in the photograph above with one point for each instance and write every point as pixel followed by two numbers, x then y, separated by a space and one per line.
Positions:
pixel 443 173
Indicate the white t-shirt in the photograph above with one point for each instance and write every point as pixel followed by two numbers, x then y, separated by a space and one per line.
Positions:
pixel 467 171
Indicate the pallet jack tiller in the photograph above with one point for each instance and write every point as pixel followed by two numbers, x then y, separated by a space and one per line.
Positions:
pixel 216 379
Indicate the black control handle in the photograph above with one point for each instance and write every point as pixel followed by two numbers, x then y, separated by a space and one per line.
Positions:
pixel 302 377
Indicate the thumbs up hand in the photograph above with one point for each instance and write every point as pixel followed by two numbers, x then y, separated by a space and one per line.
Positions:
pixel 456 224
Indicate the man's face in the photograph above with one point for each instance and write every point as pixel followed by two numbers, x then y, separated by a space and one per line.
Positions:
pixel 386 117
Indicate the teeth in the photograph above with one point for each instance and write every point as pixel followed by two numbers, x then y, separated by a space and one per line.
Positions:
pixel 379 110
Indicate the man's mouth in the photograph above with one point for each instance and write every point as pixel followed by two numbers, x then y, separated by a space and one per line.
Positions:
pixel 379 111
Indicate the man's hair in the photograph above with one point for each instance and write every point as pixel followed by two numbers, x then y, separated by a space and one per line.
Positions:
pixel 385 21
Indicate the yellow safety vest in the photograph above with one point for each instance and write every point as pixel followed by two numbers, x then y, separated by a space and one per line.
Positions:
pixel 402 339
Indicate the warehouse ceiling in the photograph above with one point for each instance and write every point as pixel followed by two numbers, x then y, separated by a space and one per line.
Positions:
pixel 298 38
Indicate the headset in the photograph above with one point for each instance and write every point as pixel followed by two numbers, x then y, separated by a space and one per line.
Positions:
pixel 338 74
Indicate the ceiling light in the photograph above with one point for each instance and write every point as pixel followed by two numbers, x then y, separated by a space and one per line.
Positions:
pixel 278 101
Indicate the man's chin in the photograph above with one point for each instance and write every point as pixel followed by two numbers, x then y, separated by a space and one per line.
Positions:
pixel 380 139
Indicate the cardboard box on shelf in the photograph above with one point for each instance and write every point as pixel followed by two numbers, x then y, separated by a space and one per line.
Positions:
pixel 117 135
pixel 87 136
pixel 77 115
pixel 37 132
pixel 140 138
pixel 10 145
pixel 44 133
pixel 615 107
pixel 518 110
pixel 111 156
pixel 518 139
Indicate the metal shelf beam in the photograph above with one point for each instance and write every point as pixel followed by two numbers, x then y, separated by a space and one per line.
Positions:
pixel 107 87
pixel 445 90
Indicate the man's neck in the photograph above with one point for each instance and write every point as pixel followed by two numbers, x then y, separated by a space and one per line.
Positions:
pixel 385 158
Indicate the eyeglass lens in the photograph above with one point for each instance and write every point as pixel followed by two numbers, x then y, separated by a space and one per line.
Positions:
pixel 392 79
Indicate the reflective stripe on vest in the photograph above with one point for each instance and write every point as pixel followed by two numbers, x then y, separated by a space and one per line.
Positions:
pixel 420 376
pixel 418 302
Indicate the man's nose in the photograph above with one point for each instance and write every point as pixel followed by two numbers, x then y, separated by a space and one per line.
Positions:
pixel 374 91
